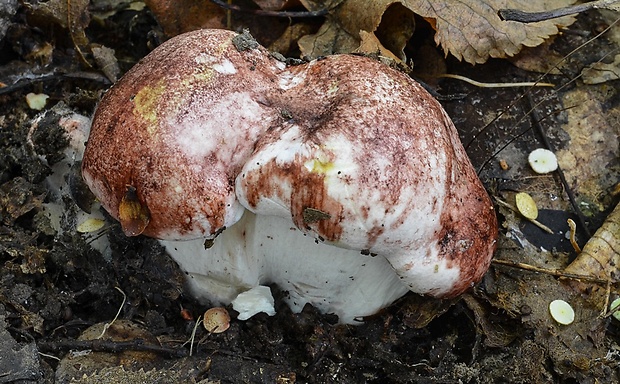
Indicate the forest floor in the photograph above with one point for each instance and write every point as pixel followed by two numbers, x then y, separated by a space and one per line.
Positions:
pixel 57 293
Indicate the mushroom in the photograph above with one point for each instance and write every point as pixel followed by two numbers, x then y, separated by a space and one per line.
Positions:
pixel 340 180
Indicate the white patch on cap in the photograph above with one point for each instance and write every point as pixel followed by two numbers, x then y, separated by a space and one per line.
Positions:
pixel 205 58
pixel 226 67
pixel 204 135
pixel 289 80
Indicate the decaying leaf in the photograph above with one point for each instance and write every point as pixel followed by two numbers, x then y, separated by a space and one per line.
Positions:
pixel 17 199
pixel 471 29
pixel 468 29
pixel 106 60
pixel 600 256
pixel 590 160
pixel 290 36
pixel 390 21
pixel 602 72
pixel 330 39
pixel 496 335
pixel 177 17
pixel 70 14
pixel 370 45
pixel 541 59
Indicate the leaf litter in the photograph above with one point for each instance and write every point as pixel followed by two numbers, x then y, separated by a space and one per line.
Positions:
pixel 503 330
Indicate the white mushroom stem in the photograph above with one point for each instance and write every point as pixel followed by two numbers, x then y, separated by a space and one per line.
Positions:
pixel 261 250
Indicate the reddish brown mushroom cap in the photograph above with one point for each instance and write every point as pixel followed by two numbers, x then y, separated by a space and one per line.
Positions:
pixel 176 129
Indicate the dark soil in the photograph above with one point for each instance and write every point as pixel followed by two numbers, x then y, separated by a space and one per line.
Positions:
pixel 54 286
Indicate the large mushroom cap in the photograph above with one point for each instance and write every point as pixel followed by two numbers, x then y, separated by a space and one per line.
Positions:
pixel 345 150
pixel 172 134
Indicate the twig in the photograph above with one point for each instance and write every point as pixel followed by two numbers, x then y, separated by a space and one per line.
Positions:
pixel 533 221
pixel 99 345
pixel 49 356
pixel 552 272
pixel 612 310
pixel 573 228
pixel 108 325
pixel 603 313
pixel 532 17
pixel 496 85
pixel 193 337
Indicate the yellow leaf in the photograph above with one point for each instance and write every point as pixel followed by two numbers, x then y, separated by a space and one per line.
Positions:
pixel 526 205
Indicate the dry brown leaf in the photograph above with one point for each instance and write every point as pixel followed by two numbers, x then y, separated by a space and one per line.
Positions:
pixel 602 72
pixel 70 14
pixel 468 29
pixel 290 36
pixel 541 59
pixel 370 45
pixel 600 256
pixel 107 62
pixel 178 16
pixel 389 20
pixel 590 159
pixel 330 39
pixel 471 29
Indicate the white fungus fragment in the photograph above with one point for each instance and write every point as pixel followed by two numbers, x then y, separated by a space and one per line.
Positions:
pixel 543 161
pixel 91 224
pixel 562 312
pixel 614 306
pixel 256 300
pixel 36 101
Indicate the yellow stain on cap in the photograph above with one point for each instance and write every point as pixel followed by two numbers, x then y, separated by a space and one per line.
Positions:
pixel 133 215
pixel 146 103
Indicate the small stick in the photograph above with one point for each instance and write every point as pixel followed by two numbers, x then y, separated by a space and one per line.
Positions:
pixel 604 313
pixel 573 228
pixel 612 310
pixel 552 272
pixel 108 325
pixel 193 337
pixel 533 221
pixel 495 85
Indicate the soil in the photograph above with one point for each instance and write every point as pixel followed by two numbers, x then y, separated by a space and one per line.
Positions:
pixel 58 294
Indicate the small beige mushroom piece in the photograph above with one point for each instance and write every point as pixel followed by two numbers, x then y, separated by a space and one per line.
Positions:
pixel 562 312
pixel 340 180
pixel 543 161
